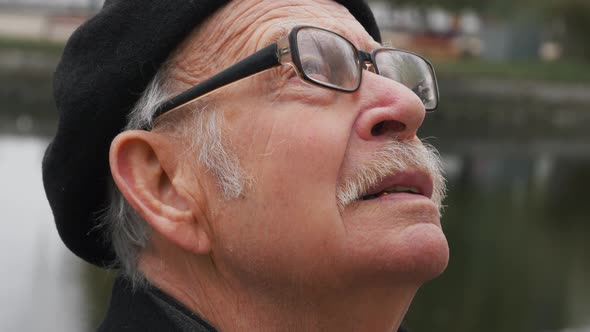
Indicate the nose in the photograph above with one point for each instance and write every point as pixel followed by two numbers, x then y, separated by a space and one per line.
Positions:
pixel 388 109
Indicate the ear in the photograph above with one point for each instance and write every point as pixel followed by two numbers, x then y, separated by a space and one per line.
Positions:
pixel 147 170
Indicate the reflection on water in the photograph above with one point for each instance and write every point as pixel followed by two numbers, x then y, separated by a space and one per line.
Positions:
pixel 517 216
pixel 516 221
pixel 41 279
pixel 517 231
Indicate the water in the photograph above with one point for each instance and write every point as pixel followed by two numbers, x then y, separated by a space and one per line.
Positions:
pixel 40 285
pixel 517 229
pixel 517 219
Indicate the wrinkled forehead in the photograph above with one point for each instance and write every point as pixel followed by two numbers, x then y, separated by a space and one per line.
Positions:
pixel 263 19
pixel 242 27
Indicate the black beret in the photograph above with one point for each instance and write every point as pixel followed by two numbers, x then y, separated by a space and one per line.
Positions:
pixel 105 67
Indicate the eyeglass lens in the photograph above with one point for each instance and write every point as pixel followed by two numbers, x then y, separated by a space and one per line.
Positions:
pixel 328 59
pixel 410 70
pixel 331 60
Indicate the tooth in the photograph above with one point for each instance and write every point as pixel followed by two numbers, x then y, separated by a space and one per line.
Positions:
pixel 402 189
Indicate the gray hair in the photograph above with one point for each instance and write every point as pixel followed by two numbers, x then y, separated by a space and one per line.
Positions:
pixel 394 157
pixel 126 229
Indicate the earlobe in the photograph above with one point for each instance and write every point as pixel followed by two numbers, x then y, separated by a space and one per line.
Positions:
pixel 147 172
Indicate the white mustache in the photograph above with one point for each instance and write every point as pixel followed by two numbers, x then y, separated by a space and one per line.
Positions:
pixel 395 157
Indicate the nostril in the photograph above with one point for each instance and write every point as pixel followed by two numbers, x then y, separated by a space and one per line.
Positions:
pixel 390 126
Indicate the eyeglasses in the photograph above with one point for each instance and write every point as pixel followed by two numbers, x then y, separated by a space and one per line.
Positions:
pixel 326 59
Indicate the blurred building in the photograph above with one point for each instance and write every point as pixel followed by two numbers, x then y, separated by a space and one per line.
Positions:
pixel 44 20
pixel 436 32
pixel 433 31
pixel 513 40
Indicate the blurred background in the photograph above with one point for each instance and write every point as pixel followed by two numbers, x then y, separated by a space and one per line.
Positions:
pixel 512 128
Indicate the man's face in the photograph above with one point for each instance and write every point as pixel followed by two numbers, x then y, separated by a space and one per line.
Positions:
pixel 300 145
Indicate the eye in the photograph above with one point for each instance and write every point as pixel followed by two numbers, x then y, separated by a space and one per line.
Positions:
pixel 316 69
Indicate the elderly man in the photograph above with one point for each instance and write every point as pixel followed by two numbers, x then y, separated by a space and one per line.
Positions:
pixel 248 166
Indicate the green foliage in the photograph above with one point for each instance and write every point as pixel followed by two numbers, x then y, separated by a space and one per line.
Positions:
pixel 575 16
pixel 563 71
pixel 32 45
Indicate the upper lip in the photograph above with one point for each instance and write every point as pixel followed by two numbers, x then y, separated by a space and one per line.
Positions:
pixel 413 179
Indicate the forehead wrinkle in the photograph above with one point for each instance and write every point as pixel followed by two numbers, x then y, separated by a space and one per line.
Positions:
pixel 241 27
pixel 264 23
pixel 231 40
pixel 207 47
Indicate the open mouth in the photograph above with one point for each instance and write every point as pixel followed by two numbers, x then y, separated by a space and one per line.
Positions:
pixel 393 190
pixel 414 183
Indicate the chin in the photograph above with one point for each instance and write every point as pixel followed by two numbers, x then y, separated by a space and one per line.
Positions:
pixel 404 243
pixel 424 252
pixel 415 255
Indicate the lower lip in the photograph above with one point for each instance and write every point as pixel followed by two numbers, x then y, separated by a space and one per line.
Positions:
pixel 398 197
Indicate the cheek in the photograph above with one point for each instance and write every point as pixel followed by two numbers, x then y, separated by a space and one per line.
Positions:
pixel 290 213
pixel 304 155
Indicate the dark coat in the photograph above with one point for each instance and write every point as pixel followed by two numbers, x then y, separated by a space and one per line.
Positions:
pixel 148 310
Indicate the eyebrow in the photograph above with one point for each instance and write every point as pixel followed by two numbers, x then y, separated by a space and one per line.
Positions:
pixel 282 30
pixel 388 44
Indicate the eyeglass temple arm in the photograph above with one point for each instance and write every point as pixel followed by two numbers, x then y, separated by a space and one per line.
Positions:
pixel 264 59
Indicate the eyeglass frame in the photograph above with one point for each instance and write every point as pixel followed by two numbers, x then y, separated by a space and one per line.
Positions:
pixel 285 51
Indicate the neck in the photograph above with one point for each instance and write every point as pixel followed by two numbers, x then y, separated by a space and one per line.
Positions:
pixel 374 309
pixel 229 305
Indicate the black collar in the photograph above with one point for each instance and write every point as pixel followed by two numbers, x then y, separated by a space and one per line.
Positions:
pixel 148 309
